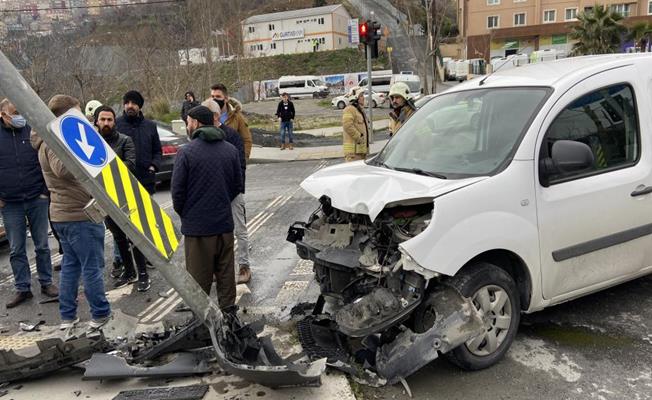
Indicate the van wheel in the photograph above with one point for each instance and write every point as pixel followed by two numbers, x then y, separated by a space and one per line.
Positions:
pixel 341 105
pixel 494 294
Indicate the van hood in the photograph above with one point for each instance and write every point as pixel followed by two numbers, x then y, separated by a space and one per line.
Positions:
pixel 364 189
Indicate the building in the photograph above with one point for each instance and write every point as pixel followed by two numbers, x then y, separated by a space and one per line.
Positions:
pixel 296 31
pixel 498 28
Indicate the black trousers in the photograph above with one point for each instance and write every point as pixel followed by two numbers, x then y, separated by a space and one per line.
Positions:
pixel 125 252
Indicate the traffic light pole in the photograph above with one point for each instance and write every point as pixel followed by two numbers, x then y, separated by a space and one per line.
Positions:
pixel 370 100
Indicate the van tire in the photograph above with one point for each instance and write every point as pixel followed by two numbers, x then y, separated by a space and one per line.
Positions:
pixel 341 105
pixel 469 282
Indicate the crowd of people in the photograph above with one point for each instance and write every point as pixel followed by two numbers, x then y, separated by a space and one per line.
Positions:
pixel 38 193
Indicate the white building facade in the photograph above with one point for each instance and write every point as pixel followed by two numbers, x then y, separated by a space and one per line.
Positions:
pixel 296 31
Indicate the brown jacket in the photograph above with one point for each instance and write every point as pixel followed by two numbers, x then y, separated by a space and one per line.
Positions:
pixel 396 121
pixel 356 134
pixel 237 121
pixel 67 197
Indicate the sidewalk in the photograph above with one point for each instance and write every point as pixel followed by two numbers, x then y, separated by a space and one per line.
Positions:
pixel 260 155
pixel 337 130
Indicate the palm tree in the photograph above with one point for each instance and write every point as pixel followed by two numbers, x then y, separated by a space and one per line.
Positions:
pixel 640 34
pixel 599 31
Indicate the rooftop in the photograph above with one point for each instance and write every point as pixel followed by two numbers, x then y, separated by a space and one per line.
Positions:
pixel 305 12
pixel 551 73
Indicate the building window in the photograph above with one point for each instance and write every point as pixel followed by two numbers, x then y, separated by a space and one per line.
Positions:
pixel 320 21
pixel 588 9
pixel 649 7
pixel 493 2
pixel 549 16
pixel 520 1
pixel 571 14
pixel 322 41
pixel 519 19
pixel 622 9
pixel 492 22
pixel 271 27
pixel 272 46
pixel 252 29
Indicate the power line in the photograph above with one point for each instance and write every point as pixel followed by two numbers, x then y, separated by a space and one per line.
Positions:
pixel 87 7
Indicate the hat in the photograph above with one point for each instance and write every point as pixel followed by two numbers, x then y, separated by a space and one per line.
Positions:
pixel 211 105
pixel 134 97
pixel 202 114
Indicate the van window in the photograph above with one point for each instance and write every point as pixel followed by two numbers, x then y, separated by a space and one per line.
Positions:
pixel 606 121
pixel 309 82
pixel 291 84
pixel 380 81
pixel 363 82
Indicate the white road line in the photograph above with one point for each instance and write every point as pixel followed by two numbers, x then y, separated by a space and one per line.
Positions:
pixel 158 309
pixel 254 230
pixel 167 310
pixel 154 304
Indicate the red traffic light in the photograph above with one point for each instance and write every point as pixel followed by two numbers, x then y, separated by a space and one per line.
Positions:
pixel 363 30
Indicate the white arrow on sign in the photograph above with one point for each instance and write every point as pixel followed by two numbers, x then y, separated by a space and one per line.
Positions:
pixel 83 143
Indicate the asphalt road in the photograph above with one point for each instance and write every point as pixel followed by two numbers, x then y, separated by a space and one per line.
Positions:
pixel 598 347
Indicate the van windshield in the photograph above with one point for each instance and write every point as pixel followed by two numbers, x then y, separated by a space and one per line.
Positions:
pixel 463 134
pixel 319 82
pixel 415 86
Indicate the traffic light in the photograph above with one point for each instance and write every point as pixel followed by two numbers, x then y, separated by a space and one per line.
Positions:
pixel 363 32
pixel 375 31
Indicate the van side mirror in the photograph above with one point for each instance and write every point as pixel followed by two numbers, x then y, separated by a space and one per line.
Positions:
pixel 566 156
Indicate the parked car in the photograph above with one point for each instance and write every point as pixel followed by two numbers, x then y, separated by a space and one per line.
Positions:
pixel 423 101
pixel 342 101
pixel 504 195
pixel 170 143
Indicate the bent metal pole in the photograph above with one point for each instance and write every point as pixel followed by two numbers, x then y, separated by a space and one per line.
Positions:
pixel 39 116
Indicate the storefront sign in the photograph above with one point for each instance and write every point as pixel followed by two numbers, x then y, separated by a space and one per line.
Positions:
pixel 288 35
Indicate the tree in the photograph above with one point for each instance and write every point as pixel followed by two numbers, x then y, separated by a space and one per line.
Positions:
pixel 640 34
pixel 599 31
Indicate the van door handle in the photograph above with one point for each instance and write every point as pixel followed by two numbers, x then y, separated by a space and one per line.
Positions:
pixel 642 192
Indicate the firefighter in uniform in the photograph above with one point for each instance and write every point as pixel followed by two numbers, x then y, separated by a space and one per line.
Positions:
pixel 402 106
pixel 356 129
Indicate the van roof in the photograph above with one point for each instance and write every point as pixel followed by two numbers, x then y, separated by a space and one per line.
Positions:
pixel 299 77
pixel 556 73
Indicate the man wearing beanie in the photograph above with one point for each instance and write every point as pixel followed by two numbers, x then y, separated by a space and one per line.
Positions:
pixel 148 159
pixel 205 180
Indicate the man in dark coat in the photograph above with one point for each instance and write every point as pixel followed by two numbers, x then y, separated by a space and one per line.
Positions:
pixel 23 197
pixel 206 179
pixel 188 103
pixel 124 148
pixel 148 159
pixel 285 113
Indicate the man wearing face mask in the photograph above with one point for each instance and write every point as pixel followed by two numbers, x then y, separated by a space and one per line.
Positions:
pixel 148 158
pixel 23 198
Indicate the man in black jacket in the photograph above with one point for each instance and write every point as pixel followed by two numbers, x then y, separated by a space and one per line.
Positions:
pixel 188 103
pixel 206 179
pixel 148 159
pixel 285 114
pixel 23 197
pixel 124 148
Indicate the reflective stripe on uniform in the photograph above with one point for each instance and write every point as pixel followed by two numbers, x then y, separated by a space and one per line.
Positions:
pixel 143 212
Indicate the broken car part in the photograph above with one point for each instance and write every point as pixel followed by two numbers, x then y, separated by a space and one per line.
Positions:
pixel 106 366
pixel 53 355
pixel 193 392
pixel 370 320
pixel 91 177
pixel 27 327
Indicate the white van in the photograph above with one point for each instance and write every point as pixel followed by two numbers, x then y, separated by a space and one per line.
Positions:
pixel 379 83
pixel 504 195
pixel 303 86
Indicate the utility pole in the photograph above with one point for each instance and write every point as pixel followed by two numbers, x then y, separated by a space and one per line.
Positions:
pixel 369 96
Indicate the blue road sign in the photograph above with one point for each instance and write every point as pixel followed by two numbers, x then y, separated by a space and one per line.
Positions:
pixel 84 141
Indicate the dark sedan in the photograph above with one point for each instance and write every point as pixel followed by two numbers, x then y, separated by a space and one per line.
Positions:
pixel 170 143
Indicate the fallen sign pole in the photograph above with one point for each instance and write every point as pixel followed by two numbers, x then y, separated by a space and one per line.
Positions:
pixel 119 195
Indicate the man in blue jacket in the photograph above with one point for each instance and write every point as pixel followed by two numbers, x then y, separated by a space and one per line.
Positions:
pixel 148 161
pixel 206 178
pixel 23 198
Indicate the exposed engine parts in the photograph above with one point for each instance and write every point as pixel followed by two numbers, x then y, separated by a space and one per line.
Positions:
pixel 365 320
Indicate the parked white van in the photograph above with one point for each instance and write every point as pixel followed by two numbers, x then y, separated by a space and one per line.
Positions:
pixel 303 86
pixel 412 81
pixel 504 195
pixel 379 83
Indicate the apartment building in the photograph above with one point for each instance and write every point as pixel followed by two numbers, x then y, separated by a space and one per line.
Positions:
pixel 498 28
pixel 296 31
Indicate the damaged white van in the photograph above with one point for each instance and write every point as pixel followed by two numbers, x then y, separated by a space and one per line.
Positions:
pixel 507 194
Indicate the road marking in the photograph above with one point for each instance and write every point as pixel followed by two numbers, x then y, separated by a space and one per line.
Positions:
pixel 151 306
pixel 174 297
